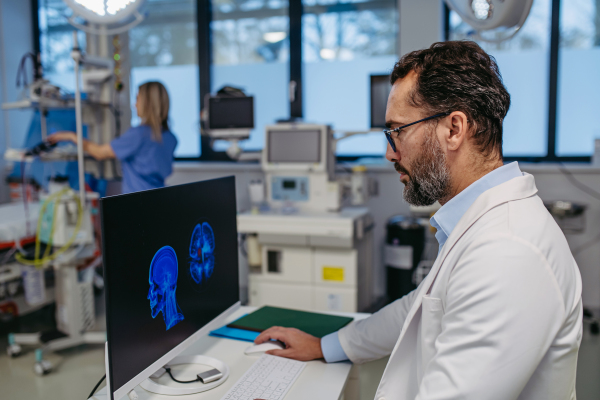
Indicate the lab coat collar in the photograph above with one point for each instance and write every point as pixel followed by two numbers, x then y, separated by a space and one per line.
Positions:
pixel 447 218
pixel 515 189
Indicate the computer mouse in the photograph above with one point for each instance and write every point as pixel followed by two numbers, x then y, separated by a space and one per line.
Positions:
pixel 260 349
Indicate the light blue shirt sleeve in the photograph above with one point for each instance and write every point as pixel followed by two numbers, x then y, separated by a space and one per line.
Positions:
pixel 332 348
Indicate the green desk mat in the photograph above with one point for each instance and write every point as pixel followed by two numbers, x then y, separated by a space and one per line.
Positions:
pixel 316 324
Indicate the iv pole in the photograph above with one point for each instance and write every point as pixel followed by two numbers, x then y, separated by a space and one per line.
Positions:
pixel 76 55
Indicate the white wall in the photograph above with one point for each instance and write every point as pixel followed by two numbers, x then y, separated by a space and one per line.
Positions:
pixel 15 40
pixel 551 184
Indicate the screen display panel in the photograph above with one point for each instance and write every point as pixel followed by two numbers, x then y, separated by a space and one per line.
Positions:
pixel 171 266
pixel 231 113
pixel 294 146
pixel 380 90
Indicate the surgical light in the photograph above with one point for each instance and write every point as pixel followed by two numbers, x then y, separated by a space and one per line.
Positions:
pixel 505 17
pixel 114 6
pixel 93 5
pixel 482 9
pixel 106 13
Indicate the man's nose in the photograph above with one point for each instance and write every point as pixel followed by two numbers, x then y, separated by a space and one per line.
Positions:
pixel 391 155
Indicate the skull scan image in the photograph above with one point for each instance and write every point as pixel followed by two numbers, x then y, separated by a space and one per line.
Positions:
pixel 202 247
pixel 163 283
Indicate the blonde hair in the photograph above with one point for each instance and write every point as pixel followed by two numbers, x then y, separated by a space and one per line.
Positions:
pixel 154 108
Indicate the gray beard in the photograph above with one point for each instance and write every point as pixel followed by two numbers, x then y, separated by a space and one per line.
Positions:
pixel 429 176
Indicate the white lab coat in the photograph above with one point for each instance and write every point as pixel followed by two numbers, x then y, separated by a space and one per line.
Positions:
pixel 498 316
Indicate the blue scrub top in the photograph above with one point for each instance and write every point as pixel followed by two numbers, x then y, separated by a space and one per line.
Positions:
pixel 145 162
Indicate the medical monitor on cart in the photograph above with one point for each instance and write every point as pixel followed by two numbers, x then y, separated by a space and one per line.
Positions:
pixel 298 148
pixel 171 271
pixel 230 117
pixel 299 164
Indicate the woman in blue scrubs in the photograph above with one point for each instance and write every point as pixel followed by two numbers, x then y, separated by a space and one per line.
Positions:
pixel 145 151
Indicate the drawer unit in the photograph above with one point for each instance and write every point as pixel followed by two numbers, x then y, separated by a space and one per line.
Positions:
pixel 335 267
pixel 287 264
pixel 335 299
pixel 263 293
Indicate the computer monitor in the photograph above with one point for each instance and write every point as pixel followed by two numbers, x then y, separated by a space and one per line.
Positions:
pixel 171 271
pixel 380 90
pixel 230 113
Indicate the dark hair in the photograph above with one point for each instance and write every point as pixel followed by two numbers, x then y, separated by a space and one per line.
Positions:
pixel 459 76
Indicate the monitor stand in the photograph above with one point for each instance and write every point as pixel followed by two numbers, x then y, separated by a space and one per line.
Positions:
pixel 191 388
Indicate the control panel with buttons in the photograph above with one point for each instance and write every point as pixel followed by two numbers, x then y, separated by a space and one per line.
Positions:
pixel 289 188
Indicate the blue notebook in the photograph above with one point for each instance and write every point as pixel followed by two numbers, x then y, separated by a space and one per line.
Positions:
pixel 235 334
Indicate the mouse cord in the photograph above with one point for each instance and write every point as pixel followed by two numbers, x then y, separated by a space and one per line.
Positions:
pixel 172 377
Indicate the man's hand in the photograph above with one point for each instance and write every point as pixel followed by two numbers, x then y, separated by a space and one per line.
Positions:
pixel 298 345
pixel 62 136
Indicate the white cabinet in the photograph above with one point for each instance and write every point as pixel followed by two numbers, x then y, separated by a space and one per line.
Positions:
pixel 318 262
pixel 329 298
pixel 287 264
pixel 280 294
pixel 335 267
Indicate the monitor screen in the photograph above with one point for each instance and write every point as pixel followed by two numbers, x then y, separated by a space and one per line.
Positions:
pixel 231 113
pixel 294 146
pixel 380 90
pixel 171 266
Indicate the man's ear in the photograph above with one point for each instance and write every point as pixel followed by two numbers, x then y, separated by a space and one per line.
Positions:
pixel 456 130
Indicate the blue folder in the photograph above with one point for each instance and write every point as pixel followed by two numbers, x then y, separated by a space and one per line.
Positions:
pixel 235 334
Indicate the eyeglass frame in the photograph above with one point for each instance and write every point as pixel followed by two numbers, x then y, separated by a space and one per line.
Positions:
pixel 388 132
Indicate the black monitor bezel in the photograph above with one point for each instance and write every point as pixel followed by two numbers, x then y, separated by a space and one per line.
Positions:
pixel 213 99
pixel 372 79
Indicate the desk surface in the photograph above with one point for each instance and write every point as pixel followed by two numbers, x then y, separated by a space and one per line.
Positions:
pixel 319 380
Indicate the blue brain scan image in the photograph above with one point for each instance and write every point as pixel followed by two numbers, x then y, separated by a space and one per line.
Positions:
pixel 163 283
pixel 202 248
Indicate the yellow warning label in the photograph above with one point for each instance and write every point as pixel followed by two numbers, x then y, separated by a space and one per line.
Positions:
pixel 333 274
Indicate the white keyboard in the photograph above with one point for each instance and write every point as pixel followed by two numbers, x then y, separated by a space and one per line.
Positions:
pixel 269 378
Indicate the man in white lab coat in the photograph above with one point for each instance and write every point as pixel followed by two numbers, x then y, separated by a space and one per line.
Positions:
pixel 499 315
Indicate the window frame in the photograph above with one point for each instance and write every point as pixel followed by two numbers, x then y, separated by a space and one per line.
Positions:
pixel 204 48
pixel 552 92
pixel 296 10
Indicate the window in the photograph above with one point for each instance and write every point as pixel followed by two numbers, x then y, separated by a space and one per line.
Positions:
pixel 550 70
pixel 250 50
pixel 56 42
pixel 578 77
pixel 349 41
pixel 164 48
pixel 261 46
pixel 524 65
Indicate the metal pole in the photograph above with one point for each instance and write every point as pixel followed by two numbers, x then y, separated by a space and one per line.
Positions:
pixel 43 122
pixel 4 81
pixel 76 54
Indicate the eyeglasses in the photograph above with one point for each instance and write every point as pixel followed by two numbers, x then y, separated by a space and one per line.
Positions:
pixel 388 133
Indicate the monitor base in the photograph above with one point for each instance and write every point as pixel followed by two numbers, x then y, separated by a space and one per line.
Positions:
pixel 198 387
